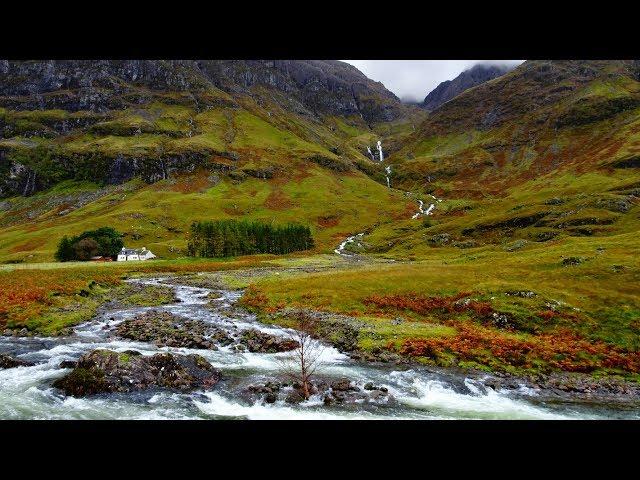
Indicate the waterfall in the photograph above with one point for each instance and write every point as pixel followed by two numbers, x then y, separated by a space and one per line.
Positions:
pixel 370 154
pixel 380 151
pixel 422 211
pixel 388 170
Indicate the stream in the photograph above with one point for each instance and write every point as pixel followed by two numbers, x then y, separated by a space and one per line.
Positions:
pixel 414 393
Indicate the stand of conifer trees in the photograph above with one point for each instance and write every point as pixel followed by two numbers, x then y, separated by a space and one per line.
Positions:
pixel 227 238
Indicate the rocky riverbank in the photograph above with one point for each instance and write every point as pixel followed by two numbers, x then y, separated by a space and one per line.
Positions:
pixel 342 331
pixel 141 362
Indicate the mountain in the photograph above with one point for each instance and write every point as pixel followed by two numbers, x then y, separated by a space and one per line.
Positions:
pixel 449 89
pixel 544 152
pixel 123 115
pixel 137 144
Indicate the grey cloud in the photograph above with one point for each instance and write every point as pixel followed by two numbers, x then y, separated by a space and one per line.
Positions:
pixel 412 80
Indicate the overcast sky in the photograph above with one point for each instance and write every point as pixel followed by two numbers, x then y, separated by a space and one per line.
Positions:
pixel 414 79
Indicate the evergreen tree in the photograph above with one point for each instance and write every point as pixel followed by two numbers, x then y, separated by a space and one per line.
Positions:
pixel 225 238
pixel 65 252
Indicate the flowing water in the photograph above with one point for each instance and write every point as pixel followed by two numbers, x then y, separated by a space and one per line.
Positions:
pixel 26 392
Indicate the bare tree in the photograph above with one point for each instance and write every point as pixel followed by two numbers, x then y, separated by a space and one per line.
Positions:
pixel 302 363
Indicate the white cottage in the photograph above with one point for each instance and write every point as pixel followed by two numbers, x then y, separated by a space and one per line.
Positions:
pixel 129 254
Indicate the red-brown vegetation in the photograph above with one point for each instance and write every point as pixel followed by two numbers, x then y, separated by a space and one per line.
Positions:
pixel 563 349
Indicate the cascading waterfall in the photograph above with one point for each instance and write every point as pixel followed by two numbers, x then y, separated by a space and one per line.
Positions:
pixel 420 209
pixel 429 210
pixel 341 248
pixel 387 169
pixel 371 154
pixel 380 151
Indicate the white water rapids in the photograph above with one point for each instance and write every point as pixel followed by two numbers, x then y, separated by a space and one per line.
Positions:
pixel 26 392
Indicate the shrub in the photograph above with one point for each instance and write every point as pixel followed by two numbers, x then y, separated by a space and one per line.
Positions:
pixel 104 241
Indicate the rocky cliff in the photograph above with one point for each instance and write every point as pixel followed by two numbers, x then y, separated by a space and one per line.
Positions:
pixel 316 86
pixel 469 78
pixel 110 120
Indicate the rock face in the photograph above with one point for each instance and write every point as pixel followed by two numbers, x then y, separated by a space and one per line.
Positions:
pixel 7 361
pixel 105 371
pixel 469 78
pixel 311 86
pixel 86 97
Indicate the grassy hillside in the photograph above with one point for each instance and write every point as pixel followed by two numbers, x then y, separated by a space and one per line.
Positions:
pixel 547 151
pixel 243 159
pixel 158 216
pixel 526 263
pixel 571 305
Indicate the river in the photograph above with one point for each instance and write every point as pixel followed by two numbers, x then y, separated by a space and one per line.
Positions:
pixel 415 393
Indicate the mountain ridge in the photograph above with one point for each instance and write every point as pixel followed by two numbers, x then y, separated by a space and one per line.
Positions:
pixel 469 78
pixel 114 119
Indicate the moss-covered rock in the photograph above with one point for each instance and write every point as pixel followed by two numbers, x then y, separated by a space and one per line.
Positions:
pixel 257 341
pixel 106 371
pixel 167 330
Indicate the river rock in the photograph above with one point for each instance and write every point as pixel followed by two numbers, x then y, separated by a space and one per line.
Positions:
pixel 106 371
pixel 345 392
pixel 7 361
pixel 261 342
pixel 167 330
pixel 343 385
pixel 68 364
pixel 371 387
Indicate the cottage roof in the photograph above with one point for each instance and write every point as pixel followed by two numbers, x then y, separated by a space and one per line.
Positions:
pixel 134 251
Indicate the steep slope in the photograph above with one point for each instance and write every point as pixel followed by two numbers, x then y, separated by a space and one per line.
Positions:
pixel 120 119
pixel 545 152
pixel 449 89
pixel 283 139
pixel 539 118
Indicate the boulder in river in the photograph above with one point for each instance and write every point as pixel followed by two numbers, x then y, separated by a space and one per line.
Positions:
pixel 167 330
pixel 257 341
pixel 105 371
pixel 7 361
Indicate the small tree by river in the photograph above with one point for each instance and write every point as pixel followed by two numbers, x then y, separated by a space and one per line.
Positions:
pixel 302 363
pixel 226 238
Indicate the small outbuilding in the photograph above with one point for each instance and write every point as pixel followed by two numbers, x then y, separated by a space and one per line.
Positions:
pixel 101 259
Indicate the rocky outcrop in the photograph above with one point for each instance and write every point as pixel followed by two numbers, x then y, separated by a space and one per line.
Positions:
pixel 16 178
pixel 307 86
pixel 469 78
pixel 167 330
pixel 106 371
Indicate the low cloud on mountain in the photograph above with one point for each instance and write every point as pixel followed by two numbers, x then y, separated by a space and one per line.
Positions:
pixel 412 80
